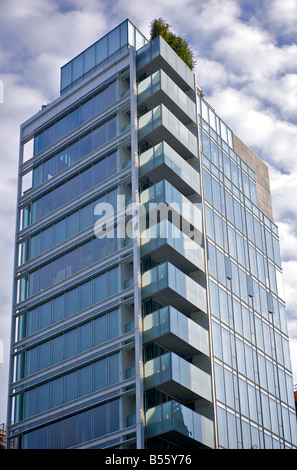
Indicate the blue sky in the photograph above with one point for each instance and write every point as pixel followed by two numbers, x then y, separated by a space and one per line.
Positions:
pixel 246 54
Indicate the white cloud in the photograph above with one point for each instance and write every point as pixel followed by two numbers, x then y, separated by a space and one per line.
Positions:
pixel 283 13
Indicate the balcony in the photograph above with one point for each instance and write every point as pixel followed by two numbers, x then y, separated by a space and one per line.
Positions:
pixel 179 425
pixel 177 378
pixel 170 286
pixel 158 54
pixel 164 241
pixel 162 200
pixel 172 330
pixel 161 124
pixel 161 161
pixel 159 88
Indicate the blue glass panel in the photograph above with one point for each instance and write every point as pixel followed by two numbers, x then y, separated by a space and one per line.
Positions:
pixel 99 102
pixel 99 421
pixel 30 403
pixel 42 402
pixel 71 302
pixel 62 127
pixel 100 374
pixel 89 58
pixel 86 111
pixel 124 33
pixel 61 161
pixel 59 231
pixel 49 168
pixel 38 143
pixel 113 281
pixel 86 145
pixel 73 119
pixel 71 343
pixel 113 369
pixel 70 432
pixel 101 50
pixel 111 93
pixel 73 188
pixel 77 67
pixel 85 179
pixel 72 262
pixel 46 276
pixel 113 324
pixel 100 288
pixel 99 136
pixel 111 128
pixel 70 386
pixel 60 195
pixel 56 392
pixel 49 135
pixel 37 175
pixel 66 75
pixel 85 337
pixel 36 210
pixel 44 315
pixel 113 416
pixel 99 330
pixel 99 171
pixel 47 239
pixel 85 383
pixel 72 224
pixel 41 438
pixel 85 254
pixel 55 435
pixel 57 349
pixel 85 426
pixel 59 269
pixel 85 295
pixel 86 217
pixel 113 41
pixel 48 203
pixel 32 321
pixel 111 165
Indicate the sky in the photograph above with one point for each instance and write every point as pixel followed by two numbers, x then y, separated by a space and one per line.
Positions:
pixel 246 53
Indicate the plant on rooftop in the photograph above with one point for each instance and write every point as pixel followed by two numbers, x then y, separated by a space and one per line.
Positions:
pixel 158 27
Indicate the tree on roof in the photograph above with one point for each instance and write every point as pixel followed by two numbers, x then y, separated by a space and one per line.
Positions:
pixel 159 27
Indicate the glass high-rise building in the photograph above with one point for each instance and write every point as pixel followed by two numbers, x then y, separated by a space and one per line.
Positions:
pixel 148 309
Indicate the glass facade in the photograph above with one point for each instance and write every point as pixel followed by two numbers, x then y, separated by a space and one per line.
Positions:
pixel 148 309
pixel 253 378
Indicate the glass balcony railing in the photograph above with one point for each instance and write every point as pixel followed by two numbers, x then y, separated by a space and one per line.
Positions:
pixel 154 197
pixel 165 241
pixel 177 377
pixel 170 286
pixel 172 95
pixel 162 161
pixel 173 330
pixel 158 53
pixel 160 123
pixel 179 425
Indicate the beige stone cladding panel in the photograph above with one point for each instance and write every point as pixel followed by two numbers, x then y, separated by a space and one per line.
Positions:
pixel 261 175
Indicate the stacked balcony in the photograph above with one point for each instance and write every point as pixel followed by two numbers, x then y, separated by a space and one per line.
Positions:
pixel 177 377
pixel 168 326
pixel 161 161
pixel 168 285
pixel 158 54
pixel 163 194
pixel 179 425
pixel 165 241
pixel 175 337
pixel 160 124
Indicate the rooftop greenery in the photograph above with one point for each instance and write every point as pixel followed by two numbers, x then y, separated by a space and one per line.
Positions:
pixel 159 27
